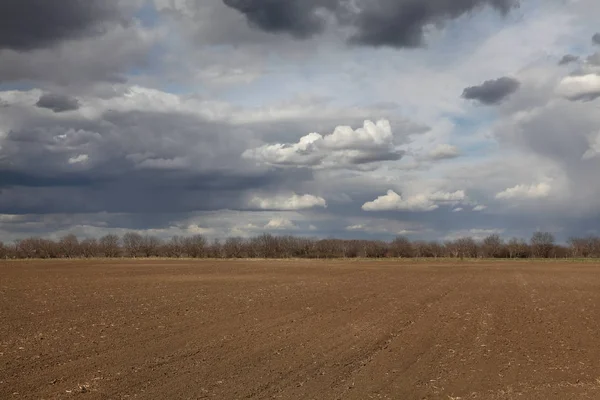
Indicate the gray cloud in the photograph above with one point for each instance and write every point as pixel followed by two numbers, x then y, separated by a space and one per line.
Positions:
pixel 299 18
pixel 58 102
pixel 31 24
pixel 596 38
pixel 83 62
pixel 568 59
pixel 594 59
pixel 123 162
pixel 492 91
pixel 394 23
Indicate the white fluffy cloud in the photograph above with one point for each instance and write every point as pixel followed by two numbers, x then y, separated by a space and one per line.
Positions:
pixel 421 202
pixel 580 87
pixel 535 191
pixel 280 224
pixel 287 202
pixel 345 147
pixel 393 201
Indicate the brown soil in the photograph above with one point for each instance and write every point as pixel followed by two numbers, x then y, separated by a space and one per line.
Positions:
pixel 299 330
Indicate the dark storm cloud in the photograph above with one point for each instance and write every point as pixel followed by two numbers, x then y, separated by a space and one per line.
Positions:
pixel 31 24
pixel 58 102
pixel 568 59
pixel 131 192
pixel 492 91
pixel 299 18
pixel 596 39
pixel 124 162
pixel 395 23
pixel 401 23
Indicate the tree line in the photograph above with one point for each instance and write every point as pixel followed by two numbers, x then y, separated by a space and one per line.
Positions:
pixel 540 245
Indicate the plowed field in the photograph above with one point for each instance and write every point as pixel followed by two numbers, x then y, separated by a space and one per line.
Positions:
pixel 299 330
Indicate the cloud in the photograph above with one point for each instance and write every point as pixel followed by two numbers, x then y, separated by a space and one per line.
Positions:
pixel 458 209
pixel 280 224
pixel 593 59
pixel 444 152
pixel 83 62
pixel 479 208
pixel 534 191
pixel 392 201
pixel 113 155
pixel 195 229
pixel 287 203
pixel 358 227
pixel 344 147
pixel 448 197
pixel 568 59
pixel 58 102
pixel 594 149
pixel 31 24
pixel 82 158
pixel 393 23
pixel 298 18
pixel 169 100
pixel 580 87
pixel 596 39
pixel 476 234
pixel 493 91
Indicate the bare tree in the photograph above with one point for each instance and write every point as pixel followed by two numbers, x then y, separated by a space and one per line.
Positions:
pixel 467 247
pixel 215 250
pixel 375 249
pixel 89 248
pixel 581 247
pixel 269 246
pixel 542 244
pixel 594 246
pixel 428 249
pixel 518 248
pixel 401 248
pixel 492 246
pixel 132 244
pixel 195 246
pixel 175 248
pixel 451 249
pixel 234 248
pixel 37 248
pixel 150 246
pixel 464 247
pixel 69 246
pixel 109 246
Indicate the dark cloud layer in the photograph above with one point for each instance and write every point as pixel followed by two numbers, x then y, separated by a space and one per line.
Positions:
pixel 58 102
pixel 124 162
pixel 395 23
pixel 299 18
pixel 492 91
pixel 31 24
pixel 567 59
pixel 596 38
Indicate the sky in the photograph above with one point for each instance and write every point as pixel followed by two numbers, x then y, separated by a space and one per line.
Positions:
pixel 431 119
